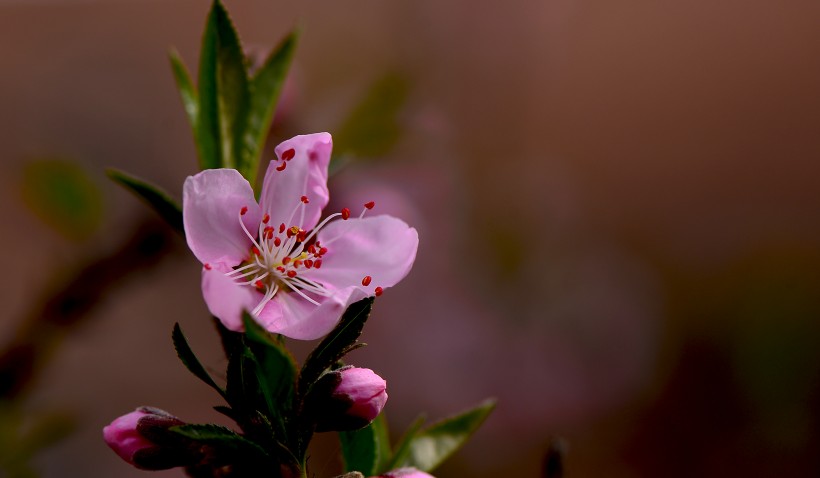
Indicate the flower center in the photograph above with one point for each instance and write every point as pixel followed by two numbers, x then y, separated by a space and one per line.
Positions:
pixel 281 254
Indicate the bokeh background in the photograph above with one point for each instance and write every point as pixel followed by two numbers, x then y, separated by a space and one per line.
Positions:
pixel 617 202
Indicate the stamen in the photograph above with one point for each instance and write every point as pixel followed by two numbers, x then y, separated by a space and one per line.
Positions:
pixel 308 263
pixel 282 166
pixel 366 281
pixel 291 273
pixel 294 289
pixel 243 211
pixel 277 242
pixel 345 213
pixel 207 266
pixel 288 155
pixel 305 199
pixel 370 205
pixel 281 228
pixel 286 260
pixel 379 291
pixel 317 264
pixel 266 218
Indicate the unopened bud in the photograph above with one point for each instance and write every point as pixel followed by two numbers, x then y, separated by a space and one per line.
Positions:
pixel 405 473
pixel 141 439
pixel 349 398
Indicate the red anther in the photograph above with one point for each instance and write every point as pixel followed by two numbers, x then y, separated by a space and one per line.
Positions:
pixel 277 242
pixel 370 205
pixel 366 281
pixel 305 199
pixel 244 210
pixel 259 284
pixel 289 234
pixel 312 249
pixel 280 269
pixel 288 155
pixel 318 263
pixel 281 228
pixel 301 236
pixel 379 291
pixel 266 218
pixel 322 251
pixel 282 166
pixel 291 274
pixel 286 260
pixel 345 213
pixel 308 263
pixel 256 250
pixel 270 234
pixel 207 266
pixel 297 263
pixel 294 229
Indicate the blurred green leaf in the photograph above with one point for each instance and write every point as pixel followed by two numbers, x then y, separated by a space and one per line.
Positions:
pixel 372 127
pixel 265 88
pixel 365 450
pixel 186 88
pixel 23 435
pixel 188 358
pixel 61 194
pixel 336 344
pixel 402 449
pixel 159 200
pixel 436 443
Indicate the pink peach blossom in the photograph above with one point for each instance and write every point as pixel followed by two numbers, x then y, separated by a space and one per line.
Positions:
pixel 274 259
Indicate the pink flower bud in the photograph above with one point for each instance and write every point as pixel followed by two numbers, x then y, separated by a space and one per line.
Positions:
pixel 134 437
pixel 122 436
pixel 357 397
pixel 405 473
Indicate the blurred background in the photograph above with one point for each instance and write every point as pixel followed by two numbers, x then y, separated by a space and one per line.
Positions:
pixel 617 202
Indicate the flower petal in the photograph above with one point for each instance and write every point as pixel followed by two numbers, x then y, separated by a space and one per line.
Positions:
pixel 226 300
pixel 211 202
pixel 291 315
pixel 304 174
pixel 382 247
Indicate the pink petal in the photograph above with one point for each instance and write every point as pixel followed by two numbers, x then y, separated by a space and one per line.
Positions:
pixel 226 300
pixel 211 202
pixel 381 247
pixel 291 315
pixel 305 174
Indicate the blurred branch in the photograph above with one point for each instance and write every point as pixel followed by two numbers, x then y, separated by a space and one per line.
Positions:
pixel 554 458
pixel 67 306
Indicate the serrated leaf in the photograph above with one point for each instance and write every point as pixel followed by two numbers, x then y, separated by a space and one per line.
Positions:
pixel 365 450
pixel 333 347
pixel 402 449
pixel 187 91
pixel 218 435
pixel 159 200
pixel 265 88
pixel 188 358
pixel 63 196
pixel 372 127
pixel 436 443
pixel 276 371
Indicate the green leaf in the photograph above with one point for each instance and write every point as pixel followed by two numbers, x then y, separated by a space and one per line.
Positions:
pixel 63 196
pixel 403 446
pixel 365 450
pixel 436 443
pixel 265 88
pixel 186 88
pixel 158 199
pixel 336 344
pixel 372 128
pixel 219 436
pixel 188 358
pixel 276 371
pixel 223 92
